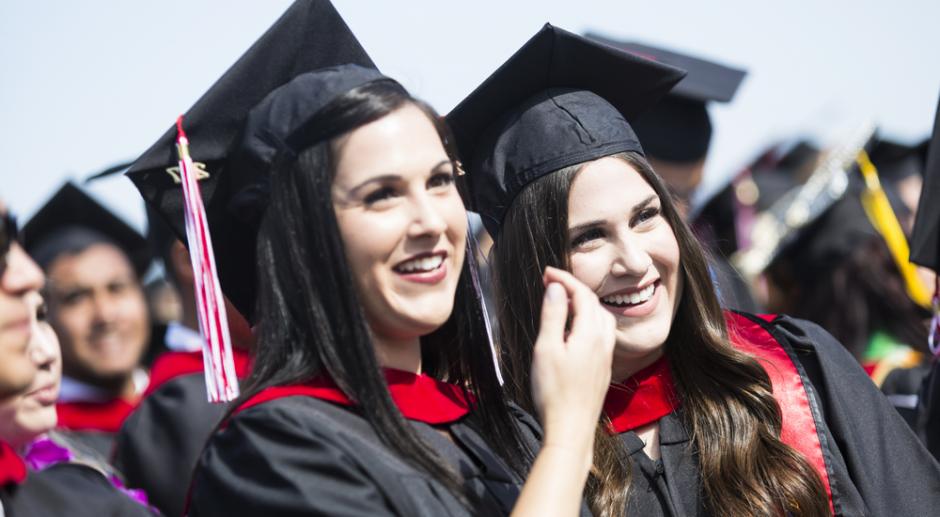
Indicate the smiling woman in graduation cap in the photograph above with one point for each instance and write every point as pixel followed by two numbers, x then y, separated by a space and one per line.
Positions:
pixel 711 412
pixel 337 224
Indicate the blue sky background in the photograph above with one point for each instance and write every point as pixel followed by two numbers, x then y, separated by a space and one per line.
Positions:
pixel 91 83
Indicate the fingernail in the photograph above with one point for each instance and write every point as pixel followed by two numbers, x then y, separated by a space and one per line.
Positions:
pixel 555 292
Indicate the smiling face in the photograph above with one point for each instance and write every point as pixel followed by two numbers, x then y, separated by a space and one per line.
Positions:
pixel 25 417
pixel 623 248
pixel 98 310
pixel 19 275
pixel 402 222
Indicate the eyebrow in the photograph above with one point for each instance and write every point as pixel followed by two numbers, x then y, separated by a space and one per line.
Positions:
pixel 392 177
pixel 599 222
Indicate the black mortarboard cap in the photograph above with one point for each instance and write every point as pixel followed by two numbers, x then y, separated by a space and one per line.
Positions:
pixel 834 235
pixel 309 36
pixel 71 221
pixel 560 100
pixel 925 241
pixel 678 129
pixel 896 161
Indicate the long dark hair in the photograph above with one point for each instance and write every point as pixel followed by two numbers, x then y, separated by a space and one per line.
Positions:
pixel 854 297
pixel 726 396
pixel 311 321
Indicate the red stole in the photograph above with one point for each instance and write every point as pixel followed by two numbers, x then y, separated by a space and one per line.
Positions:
pixel 418 397
pixel 12 468
pixel 170 365
pixel 799 426
pixel 94 416
pixel 650 393
pixel 642 399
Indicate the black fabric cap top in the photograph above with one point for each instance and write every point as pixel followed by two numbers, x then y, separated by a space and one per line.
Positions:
pixel 896 161
pixel 71 221
pixel 678 129
pixel 560 100
pixel 925 241
pixel 309 36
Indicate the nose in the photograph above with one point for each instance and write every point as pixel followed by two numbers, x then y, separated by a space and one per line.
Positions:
pixel 105 308
pixel 21 274
pixel 427 220
pixel 41 349
pixel 631 257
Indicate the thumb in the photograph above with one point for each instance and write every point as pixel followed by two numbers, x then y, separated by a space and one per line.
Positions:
pixel 554 314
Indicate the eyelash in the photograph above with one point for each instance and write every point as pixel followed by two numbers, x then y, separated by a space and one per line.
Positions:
pixel 440 179
pixel 587 235
pixel 596 233
pixel 645 215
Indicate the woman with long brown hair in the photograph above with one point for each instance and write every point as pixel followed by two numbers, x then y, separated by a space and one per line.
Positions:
pixel 711 412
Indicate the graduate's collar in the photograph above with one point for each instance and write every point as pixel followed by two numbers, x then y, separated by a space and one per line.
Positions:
pixel 642 399
pixel 12 467
pixel 418 396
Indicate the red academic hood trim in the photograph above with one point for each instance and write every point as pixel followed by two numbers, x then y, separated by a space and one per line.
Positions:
pixel 799 427
pixel 642 399
pixel 12 468
pixel 418 397
pixel 171 365
pixel 94 416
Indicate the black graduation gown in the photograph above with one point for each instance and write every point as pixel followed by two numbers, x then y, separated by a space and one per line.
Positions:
pixel 68 489
pixel 300 455
pixel 875 464
pixel 158 445
pixel 928 411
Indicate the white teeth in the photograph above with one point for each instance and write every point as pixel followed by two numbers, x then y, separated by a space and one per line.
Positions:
pixel 632 298
pixel 421 265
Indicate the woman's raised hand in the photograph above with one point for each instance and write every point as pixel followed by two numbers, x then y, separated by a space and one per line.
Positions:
pixel 571 361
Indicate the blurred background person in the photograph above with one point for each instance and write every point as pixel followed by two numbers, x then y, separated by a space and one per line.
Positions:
pixel 93 262
pixel 174 414
pixel 838 271
pixel 28 378
pixel 18 276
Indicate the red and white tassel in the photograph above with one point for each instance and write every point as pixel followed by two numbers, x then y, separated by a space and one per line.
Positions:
pixel 218 361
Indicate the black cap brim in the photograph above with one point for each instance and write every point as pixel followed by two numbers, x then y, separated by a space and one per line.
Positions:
pixel 71 211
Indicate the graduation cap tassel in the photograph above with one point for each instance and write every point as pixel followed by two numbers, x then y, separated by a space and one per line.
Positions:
pixel 481 300
pixel 883 218
pixel 218 361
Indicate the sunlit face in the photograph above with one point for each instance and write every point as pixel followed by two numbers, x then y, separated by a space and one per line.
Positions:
pixel 98 310
pixel 25 417
pixel 623 248
pixel 18 276
pixel 402 222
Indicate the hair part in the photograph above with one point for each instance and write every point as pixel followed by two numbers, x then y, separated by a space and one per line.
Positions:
pixel 727 399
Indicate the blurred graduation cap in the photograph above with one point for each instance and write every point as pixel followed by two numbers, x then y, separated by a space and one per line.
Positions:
pixel 309 36
pixel 925 241
pixel 678 129
pixel 726 218
pixel 560 100
pixel 72 221
pixel 896 161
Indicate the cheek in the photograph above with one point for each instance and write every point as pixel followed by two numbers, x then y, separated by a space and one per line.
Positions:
pixel 590 268
pixel 366 249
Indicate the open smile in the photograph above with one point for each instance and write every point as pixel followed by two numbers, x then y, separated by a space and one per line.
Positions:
pixel 423 268
pixel 636 301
